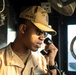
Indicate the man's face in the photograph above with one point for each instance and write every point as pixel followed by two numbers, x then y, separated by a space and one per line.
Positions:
pixel 31 38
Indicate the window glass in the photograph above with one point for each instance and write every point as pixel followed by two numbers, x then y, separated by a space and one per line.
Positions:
pixel 71 47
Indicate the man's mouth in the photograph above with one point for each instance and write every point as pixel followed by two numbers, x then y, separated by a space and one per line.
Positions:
pixel 38 45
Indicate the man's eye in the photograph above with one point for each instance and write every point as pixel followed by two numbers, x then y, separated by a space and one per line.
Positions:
pixel 39 32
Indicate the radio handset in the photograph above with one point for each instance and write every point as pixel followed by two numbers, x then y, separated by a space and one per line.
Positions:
pixel 46 41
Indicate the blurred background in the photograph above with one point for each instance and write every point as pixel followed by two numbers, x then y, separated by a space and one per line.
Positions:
pixel 62 17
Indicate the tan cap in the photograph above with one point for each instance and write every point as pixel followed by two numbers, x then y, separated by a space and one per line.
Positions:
pixel 39 17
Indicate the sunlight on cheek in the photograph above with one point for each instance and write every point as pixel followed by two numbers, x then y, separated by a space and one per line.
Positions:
pixel 34 38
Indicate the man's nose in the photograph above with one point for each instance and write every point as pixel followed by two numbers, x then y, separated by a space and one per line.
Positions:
pixel 42 36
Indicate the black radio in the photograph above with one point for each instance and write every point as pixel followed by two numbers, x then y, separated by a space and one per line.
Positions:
pixel 46 41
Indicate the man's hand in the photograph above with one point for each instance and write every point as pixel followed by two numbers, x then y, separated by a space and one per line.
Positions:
pixel 50 58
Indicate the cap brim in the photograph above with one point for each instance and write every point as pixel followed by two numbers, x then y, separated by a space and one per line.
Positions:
pixel 45 28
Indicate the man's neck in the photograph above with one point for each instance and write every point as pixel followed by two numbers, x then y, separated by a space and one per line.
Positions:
pixel 23 53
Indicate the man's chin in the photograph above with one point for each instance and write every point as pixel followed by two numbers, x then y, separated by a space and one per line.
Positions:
pixel 34 50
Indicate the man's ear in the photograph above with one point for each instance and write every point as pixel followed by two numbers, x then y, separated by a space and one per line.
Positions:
pixel 22 28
